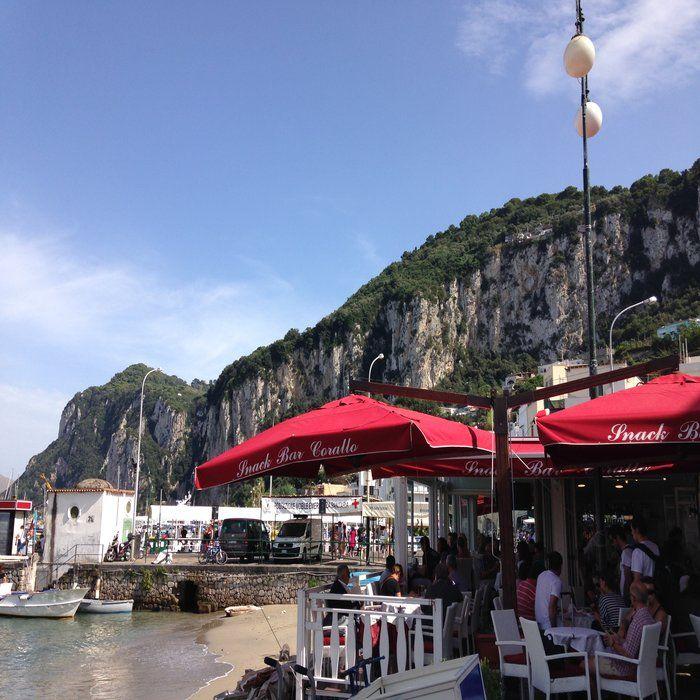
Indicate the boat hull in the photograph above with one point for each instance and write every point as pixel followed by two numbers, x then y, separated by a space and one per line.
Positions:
pixel 52 603
pixel 105 607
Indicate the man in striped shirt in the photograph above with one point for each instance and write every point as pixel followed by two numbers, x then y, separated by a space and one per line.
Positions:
pixel 526 589
pixel 630 644
pixel 609 603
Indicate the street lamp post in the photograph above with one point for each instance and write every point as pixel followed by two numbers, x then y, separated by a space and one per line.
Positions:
pixel 138 462
pixel 579 57
pixel 368 473
pixel 650 300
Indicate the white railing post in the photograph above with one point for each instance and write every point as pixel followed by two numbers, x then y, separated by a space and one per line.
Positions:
pixel 301 640
pixel 437 631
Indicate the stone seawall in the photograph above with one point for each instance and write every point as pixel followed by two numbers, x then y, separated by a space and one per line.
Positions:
pixel 195 588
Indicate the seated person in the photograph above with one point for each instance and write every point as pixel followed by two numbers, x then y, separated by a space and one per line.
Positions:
pixel 340 586
pixel 685 605
pixel 629 646
pixel 424 574
pixel 392 583
pixel 454 573
pixel 442 588
pixel 390 561
pixel 525 590
pixel 443 549
pixel 607 614
pixel 463 548
pixel 657 610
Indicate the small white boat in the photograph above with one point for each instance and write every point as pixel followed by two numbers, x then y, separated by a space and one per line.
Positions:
pixel 103 607
pixel 51 603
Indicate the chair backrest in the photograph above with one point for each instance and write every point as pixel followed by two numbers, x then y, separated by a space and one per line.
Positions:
pixel 498 603
pixel 506 628
pixel 539 670
pixel 648 651
pixel 447 629
pixel 466 615
pixel 695 622
pixel 465 569
pixel 665 634
pixel 621 615
pixel 476 611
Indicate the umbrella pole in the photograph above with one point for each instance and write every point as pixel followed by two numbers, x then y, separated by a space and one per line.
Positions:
pixel 504 491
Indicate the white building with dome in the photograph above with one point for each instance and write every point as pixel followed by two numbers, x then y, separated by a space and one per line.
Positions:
pixel 82 522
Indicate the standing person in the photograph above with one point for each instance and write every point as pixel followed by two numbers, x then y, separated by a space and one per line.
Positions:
pixel 425 573
pixel 548 593
pixel 206 537
pixel 443 549
pixel 646 552
pixel 352 539
pixel 625 549
pixel 452 543
pixel 463 548
pixel 454 573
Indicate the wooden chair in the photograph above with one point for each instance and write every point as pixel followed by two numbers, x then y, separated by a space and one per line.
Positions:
pixel 685 658
pixel 561 678
pixel 512 656
pixel 641 681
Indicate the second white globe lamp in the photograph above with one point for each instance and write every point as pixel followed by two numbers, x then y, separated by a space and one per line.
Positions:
pixel 594 120
pixel 579 56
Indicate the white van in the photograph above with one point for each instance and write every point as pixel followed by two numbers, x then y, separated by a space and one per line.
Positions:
pixel 299 539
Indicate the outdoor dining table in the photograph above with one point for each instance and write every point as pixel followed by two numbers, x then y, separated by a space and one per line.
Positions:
pixel 577 638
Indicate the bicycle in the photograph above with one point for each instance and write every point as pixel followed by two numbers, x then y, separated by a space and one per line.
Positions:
pixel 213 554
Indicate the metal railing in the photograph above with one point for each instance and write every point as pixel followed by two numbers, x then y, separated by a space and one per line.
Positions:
pixel 332 638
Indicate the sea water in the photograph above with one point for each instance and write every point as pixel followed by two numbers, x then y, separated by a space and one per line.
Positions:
pixel 137 655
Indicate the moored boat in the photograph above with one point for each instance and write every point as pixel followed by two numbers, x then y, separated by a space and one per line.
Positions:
pixel 96 606
pixel 51 603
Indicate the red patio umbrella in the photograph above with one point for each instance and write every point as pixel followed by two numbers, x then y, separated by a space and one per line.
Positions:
pixel 528 461
pixel 652 424
pixel 351 434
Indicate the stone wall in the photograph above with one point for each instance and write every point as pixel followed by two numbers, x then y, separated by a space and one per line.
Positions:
pixel 195 588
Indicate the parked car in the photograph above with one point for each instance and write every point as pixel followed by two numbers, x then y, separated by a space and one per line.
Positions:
pixel 245 538
pixel 299 539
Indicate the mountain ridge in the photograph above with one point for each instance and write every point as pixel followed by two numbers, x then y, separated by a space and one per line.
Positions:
pixel 498 293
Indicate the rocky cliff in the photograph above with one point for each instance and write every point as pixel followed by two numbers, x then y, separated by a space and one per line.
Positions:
pixel 498 293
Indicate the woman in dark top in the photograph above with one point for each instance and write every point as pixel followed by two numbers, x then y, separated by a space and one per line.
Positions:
pixel 392 583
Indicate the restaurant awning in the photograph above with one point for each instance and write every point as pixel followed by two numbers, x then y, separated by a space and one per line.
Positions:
pixel 347 435
pixel 653 424
pixel 385 509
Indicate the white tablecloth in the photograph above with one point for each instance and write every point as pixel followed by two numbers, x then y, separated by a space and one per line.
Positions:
pixel 401 606
pixel 577 638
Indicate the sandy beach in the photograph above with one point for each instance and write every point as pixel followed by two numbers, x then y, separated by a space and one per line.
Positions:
pixel 243 641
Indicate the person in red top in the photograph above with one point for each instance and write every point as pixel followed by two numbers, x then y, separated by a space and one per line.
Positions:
pixel 526 587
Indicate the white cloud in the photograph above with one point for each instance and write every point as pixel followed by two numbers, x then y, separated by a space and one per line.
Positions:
pixel 368 250
pixel 29 419
pixel 642 46
pixel 59 305
pixel 53 297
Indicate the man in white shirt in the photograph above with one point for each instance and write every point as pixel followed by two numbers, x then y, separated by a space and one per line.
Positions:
pixel 548 592
pixel 645 554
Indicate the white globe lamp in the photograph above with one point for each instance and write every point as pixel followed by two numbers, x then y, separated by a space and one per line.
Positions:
pixel 579 56
pixel 594 120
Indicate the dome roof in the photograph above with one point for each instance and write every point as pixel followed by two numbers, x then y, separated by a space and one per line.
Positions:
pixel 94 484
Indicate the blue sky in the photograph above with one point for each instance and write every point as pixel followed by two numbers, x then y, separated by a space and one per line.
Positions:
pixel 180 183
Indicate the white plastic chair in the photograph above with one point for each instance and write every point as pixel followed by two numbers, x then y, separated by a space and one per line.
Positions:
pixel 686 658
pixel 459 627
pixel 447 627
pixel 512 655
pixel 475 617
pixel 552 681
pixel 642 681
pixel 663 661
pixel 498 603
